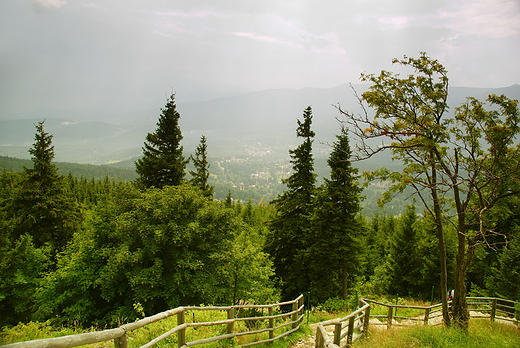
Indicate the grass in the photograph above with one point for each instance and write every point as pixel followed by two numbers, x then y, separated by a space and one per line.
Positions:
pixel 139 337
pixel 481 333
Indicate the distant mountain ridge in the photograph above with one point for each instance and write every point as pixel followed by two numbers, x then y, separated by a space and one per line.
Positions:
pixel 231 124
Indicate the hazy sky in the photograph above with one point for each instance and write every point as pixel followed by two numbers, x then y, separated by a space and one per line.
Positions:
pixel 60 54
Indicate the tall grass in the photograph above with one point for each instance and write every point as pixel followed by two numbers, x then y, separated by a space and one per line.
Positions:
pixel 141 336
pixel 481 333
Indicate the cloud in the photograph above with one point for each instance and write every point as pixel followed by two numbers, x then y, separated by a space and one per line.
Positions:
pixel 397 22
pixel 264 38
pixel 48 3
pixel 491 19
pixel 184 14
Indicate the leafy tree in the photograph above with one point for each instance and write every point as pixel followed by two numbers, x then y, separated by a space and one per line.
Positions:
pixel 162 248
pixel 163 162
pixel 200 175
pixel 334 237
pixel 21 267
pixel 248 272
pixel 470 162
pixel 287 239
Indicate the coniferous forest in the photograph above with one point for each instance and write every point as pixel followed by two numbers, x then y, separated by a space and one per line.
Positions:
pixel 101 251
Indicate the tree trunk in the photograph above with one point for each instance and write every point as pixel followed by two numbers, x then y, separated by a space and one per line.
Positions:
pixel 442 249
pixel 345 283
pixel 459 304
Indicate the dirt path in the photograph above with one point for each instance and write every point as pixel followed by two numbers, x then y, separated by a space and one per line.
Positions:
pixel 309 341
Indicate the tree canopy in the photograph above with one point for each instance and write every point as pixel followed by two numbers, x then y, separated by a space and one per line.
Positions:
pixel 460 168
pixel 288 236
pixel 163 162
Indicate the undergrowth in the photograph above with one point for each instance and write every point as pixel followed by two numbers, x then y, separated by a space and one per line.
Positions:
pixel 139 337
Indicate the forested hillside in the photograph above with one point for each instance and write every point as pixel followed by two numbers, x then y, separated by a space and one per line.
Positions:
pixel 84 246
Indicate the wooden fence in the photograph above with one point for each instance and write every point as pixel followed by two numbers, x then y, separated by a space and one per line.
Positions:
pixel 477 306
pixel 349 328
pixel 120 334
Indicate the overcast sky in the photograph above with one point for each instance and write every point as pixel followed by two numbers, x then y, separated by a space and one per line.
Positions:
pixel 61 54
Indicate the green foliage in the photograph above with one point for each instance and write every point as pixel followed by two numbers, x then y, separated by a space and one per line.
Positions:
pixel 335 305
pixel 163 162
pixel 287 240
pixel 160 249
pixel 33 331
pixel 201 173
pixel 333 241
pixel 405 261
pixel 508 279
pixel 468 164
pixel 41 205
pixel 21 265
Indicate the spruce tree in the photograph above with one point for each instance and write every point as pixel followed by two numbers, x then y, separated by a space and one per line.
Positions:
pixel 163 162
pixel 42 206
pixel 200 175
pixel 405 265
pixel 334 245
pixel 287 243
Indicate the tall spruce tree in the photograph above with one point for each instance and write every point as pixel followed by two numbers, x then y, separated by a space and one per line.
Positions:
pixel 163 162
pixel 287 243
pixel 405 265
pixel 200 176
pixel 42 206
pixel 334 247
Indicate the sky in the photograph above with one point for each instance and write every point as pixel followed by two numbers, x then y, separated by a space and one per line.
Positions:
pixel 74 54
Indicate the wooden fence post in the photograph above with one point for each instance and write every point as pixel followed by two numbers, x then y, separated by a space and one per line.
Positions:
pixel 271 323
pixel 389 319
pixel 366 322
pixel 319 338
pixel 493 309
pixel 181 334
pixel 295 314
pixel 350 332
pixel 121 342
pixel 426 316
pixel 337 333
pixel 231 315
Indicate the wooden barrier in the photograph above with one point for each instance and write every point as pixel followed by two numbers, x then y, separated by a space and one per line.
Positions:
pixel 323 340
pixel 493 305
pixel 120 334
pixel 361 315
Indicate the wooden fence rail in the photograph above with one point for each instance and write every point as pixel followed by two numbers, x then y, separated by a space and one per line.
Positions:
pixel 493 305
pixel 362 315
pixel 120 334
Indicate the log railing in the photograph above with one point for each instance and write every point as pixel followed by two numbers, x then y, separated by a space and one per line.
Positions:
pixel 120 334
pixel 362 316
pixel 345 328
pixel 493 305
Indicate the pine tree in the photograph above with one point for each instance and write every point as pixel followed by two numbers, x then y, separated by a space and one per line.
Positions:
pixel 42 206
pixel 405 265
pixel 200 175
pixel 163 162
pixel 334 248
pixel 287 242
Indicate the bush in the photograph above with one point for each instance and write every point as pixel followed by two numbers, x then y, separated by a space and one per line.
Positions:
pixel 335 305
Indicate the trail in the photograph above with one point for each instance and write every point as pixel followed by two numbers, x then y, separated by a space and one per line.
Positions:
pixel 309 341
